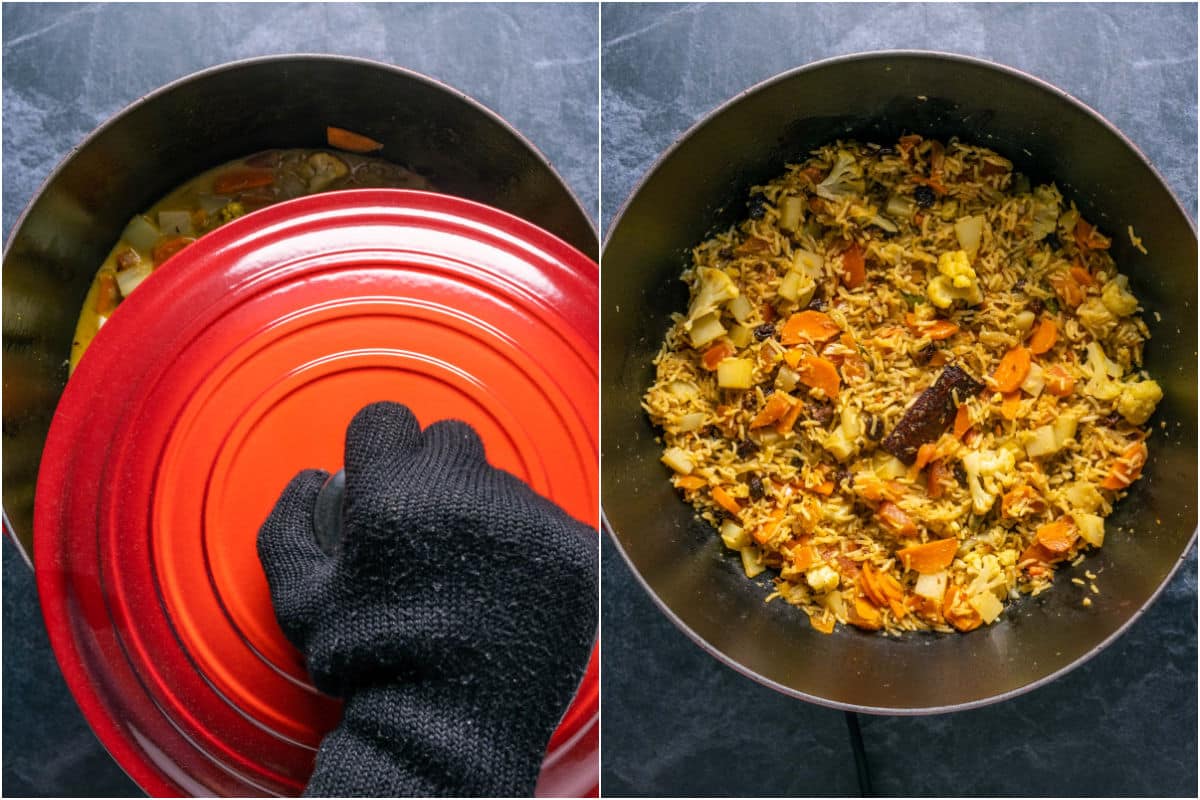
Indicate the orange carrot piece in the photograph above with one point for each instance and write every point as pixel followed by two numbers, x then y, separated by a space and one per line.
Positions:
pixel 958 612
pixel 778 404
pixel 925 454
pixel 1126 469
pixel 350 141
pixel 689 482
pixel 854 266
pixel 929 557
pixel 1010 406
pixel 169 246
pixel 938 472
pixel 864 615
pixel 1059 382
pixel 793 357
pixel 894 518
pixel 725 501
pixel 714 355
pixel 1082 276
pixel 788 421
pixel 1057 537
pixel 1088 238
pixel 803 557
pixel 819 373
pixel 240 179
pixel 962 421
pixel 107 295
pixel 824 623
pixel 941 329
pixel 808 326
pixel 1043 338
pixel 1021 501
pixel 1067 289
pixel 823 488
pixel 1012 369
pixel 764 532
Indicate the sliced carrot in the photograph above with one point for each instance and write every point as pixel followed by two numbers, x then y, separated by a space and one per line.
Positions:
pixel 1010 406
pixel 808 326
pixel 107 294
pixel 689 482
pixel 714 355
pixel 725 501
pixel 1057 537
pixel 1035 552
pixel 1126 469
pixel 934 481
pixel 169 246
pixel 823 488
pixel 1013 368
pixel 929 557
pixel 1021 501
pixel 864 615
pixel 1088 238
pixel 854 267
pixel 767 312
pixel 803 557
pixel 350 141
pixel 1059 382
pixel 819 373
pixel 788 420
pixel 941 329
pixel 240 179
pixel 908 142
pixel 1082 276
pixel 1043 338
pixel 778 404
pixel 825 623
pixel 958 612
pixel 764 532
pixel 894 519
pixel 1067 289
pixel 925 454
pixel 962 421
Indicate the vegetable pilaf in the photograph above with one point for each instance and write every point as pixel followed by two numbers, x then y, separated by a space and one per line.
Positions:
pixel 910 382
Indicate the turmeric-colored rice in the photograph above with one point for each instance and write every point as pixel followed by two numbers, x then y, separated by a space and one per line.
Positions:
pixel 859 277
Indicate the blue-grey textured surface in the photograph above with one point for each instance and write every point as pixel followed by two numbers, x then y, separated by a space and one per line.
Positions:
pixel 67 68
pixel 675 721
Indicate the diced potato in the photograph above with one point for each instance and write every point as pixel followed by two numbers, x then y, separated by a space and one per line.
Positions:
pixel 178 223
pixel 1023 321
pixel 807 262
pixel 705 329
pixel 823 578
pixel 987 605
pixel 1091 528
pixel 740 335
pixel 734 536
pixel 786 379
pixel 741 308
pixel 677 459
pixel 684 390
pixel 1083 496
pixel 797 287
pixel 789 212
pixel 692 422
pixel 1064 429
pixel 1035 381
pixel 141 233
pixel 969 231
pixel 130 279
pixel 888 466
pixel 900 207
pixel 931 586
pixel 735 373
pixel 750 561
pixel 1041 442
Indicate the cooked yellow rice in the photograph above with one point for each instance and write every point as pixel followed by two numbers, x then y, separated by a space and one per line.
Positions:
pixel 962 262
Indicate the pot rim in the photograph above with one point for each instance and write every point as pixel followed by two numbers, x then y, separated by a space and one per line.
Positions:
pixel 677 145
pixel 279 58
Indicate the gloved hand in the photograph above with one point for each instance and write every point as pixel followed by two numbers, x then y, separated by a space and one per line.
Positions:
pixel 455 618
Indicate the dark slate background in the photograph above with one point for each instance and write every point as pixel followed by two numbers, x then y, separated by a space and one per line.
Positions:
pixel 674 721
pixel 67 68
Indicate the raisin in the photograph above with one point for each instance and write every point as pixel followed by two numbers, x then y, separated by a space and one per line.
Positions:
pixel 725 253
pixel 1112 420
pixel 874 426
pixel 960 473
pixel 924 196
pixel 923 356
pixel 713 432
pixel 127 258
pixel 842 477
pixel 764 331
pixel 746 448
pixel 1037 306
pixel 758 208
pixel 1019 286
pixel 756 488
pixel 821 412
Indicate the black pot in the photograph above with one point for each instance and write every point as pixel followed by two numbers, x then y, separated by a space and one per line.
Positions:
pixel 197 123
pixel 701 185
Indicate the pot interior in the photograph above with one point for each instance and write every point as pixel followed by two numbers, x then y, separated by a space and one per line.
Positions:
pixel 702 186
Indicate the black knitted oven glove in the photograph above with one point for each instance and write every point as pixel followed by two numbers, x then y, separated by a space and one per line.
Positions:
pixel 455 618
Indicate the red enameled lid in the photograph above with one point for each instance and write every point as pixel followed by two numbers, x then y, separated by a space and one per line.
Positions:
pixel 234 366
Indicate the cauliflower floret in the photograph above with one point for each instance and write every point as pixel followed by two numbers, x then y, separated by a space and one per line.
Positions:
pixel 715 287
pixel 1137 401
pixel 844 179
pixel 823 578
pixel 1047 201
pixel 1101 372
pixel 985 469
pixel 1096 318
pixel 956 281
pixel 1117 298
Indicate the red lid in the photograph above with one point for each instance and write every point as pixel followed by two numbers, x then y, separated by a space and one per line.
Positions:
pixel 234 366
